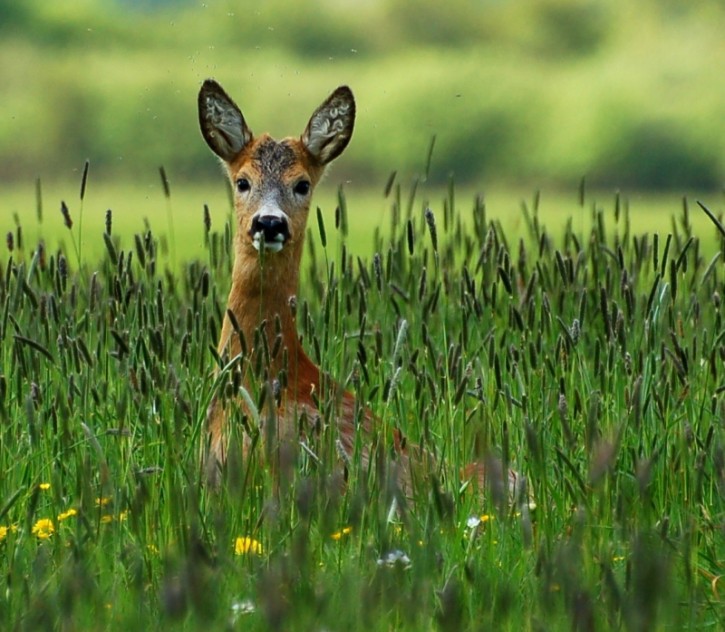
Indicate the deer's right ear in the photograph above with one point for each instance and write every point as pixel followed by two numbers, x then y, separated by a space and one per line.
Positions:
pixel 221 122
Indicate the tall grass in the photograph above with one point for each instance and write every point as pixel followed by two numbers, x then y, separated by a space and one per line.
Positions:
pixel 590 360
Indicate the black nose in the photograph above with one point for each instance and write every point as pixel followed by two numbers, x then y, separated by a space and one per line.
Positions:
pixel 274 228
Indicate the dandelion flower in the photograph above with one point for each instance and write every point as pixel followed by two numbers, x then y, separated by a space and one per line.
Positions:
pixel 243 545
pixel 4 530
pixel 67 514
pixel 44 487
pixel 102 501
pixel 43 529
pixel 340 534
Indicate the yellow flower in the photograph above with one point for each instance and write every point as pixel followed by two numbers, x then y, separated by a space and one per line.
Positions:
pixel 44 486
pixel 122 516
pixel 67 514
pixel 106 519
pixel 247 545
pixel 102 501
pixel 340 534
pixel 5 530
pixel 43 529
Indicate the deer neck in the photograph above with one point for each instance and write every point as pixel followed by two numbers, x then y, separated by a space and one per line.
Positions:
pixel 261 293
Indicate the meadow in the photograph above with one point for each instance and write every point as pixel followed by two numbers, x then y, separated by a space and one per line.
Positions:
pixel 35 206
pixel 573 333
pixel 581 345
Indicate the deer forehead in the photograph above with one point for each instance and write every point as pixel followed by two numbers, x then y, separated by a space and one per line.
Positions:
pixel 275 162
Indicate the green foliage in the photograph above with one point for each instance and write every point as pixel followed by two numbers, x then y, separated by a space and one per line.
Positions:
pixel 550 90
pixel 659 154
pixel 571 27
pixel 590 359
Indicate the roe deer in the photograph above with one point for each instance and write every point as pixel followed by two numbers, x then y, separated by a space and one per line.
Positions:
pixel 273 182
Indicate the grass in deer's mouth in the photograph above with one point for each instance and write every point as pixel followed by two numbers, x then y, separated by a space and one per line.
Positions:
pixel 259 242
pixel 591 360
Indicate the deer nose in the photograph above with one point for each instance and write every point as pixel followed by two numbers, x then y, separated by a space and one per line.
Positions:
pixel 274 229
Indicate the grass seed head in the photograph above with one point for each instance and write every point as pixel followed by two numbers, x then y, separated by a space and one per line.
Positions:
pixel 67 220
pixel 575 330
pixel 84 179
pixel 207 219
pixel 430 220
pixel 165 182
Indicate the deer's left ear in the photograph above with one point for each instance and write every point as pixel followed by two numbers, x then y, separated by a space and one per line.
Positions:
pixel 330 127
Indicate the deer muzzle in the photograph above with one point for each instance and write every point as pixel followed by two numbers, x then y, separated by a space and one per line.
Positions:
pixel 271 228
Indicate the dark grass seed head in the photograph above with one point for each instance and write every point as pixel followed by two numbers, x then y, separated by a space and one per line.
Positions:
pixel 207 219
pixel 389 183
pixel 165 182
pixel 67 220
pixel 63 267
pixel 321 228
pixel 378 271
pixel 430 220
pixel 41 254
pixel 84 179
pixel 39 201
pixel 110 247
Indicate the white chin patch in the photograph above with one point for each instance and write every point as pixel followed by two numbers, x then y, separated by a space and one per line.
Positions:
pixel 269 246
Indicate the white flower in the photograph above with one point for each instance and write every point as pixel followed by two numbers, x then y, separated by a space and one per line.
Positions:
pixel 474 521
pixel 245 606
pixel 395 558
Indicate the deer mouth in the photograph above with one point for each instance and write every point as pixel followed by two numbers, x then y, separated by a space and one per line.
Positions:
pixel 269 231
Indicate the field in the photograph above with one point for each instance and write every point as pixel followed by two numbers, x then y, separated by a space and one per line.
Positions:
pixel 142 203
pixel 587 353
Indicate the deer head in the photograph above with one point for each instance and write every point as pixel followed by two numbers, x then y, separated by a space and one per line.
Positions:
pixel 273 180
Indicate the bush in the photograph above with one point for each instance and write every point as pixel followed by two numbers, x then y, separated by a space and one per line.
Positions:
pixel 658 154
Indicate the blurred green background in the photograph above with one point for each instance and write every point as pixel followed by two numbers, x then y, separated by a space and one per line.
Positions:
pixel 522 94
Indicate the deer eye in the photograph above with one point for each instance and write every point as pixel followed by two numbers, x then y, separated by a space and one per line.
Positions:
pixel 302 187
pixel 243 185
